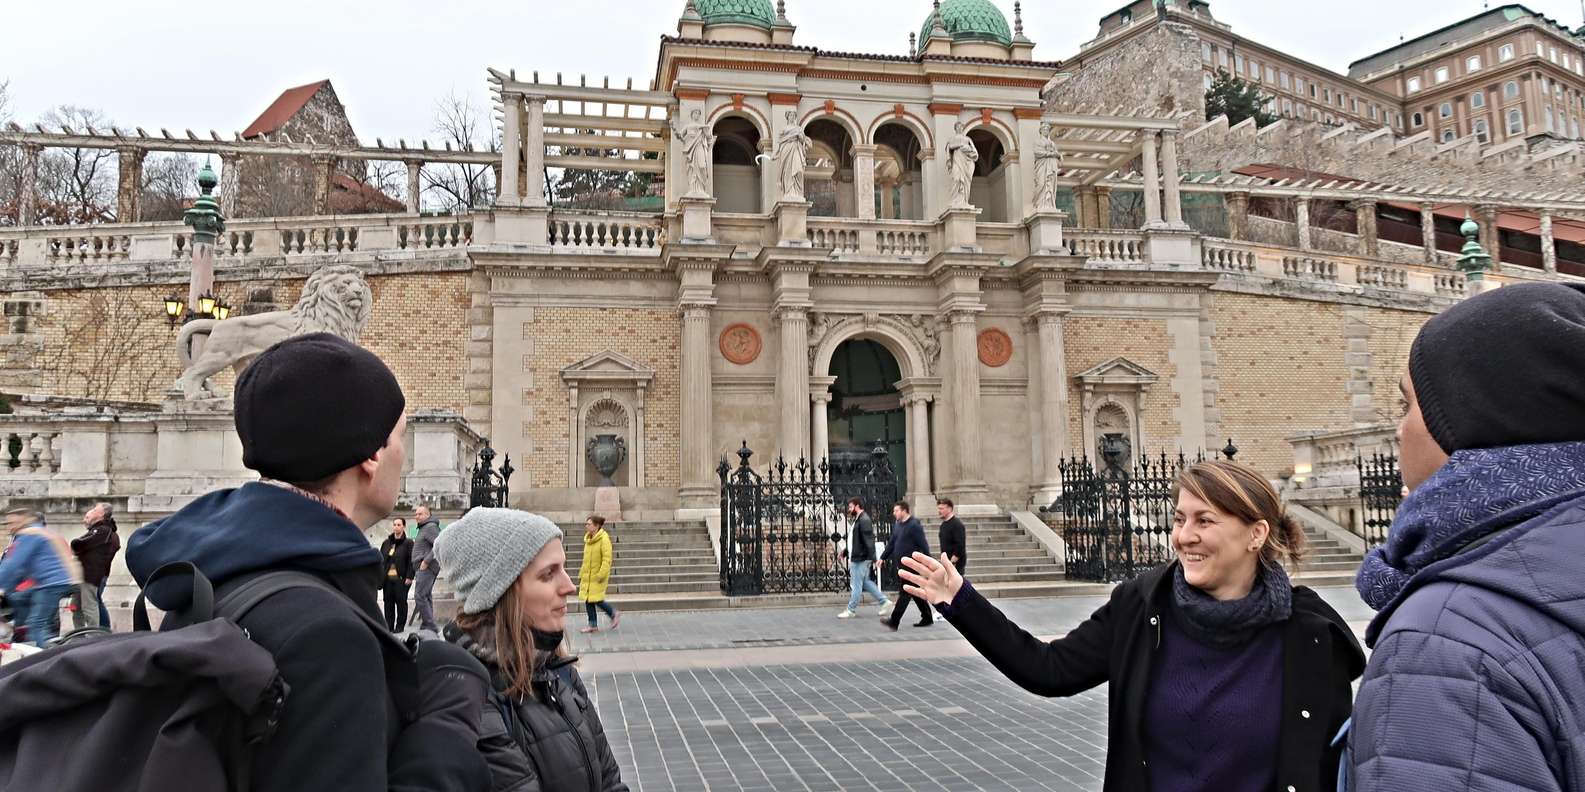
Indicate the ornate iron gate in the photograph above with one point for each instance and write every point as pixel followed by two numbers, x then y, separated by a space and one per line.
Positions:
pixel 783 531
pixel 490 487
pixel 1380 492
pixel 1119 518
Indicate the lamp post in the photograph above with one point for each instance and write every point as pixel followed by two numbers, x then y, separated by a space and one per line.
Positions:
pixel 1473 260
pixel 207 223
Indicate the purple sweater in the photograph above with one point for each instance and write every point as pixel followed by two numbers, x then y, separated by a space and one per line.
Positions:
pixel 1213 715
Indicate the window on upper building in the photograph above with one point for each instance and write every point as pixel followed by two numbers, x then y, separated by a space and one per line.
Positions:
pixel 1208 81
pixel 1573 124
pixel 1547 114
pixel 1414 84
pixel 1448 136
pixel 1417 120
pixel 1374 112
pixel 1238 63
pixel 1515 122
pixel 1271 74
pixel 1482 131
pixel 1298 84
pixel 1540 50
pixel 1221 57
pixel 1287 107
pixel 1126 17
pixel 1328 94
pixel 1472 63
pixel 1445 110
pixel 1505 52
pixel 1207 52
pixel 1554 54
pixel 1254 70
pixel 1313 90
pixel 1284 81
pixel 1510 89
pixel 1477 99
pixel 1441 74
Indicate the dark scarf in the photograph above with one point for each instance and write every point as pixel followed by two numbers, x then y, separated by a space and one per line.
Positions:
pixel 1232 623
pixel 1477 493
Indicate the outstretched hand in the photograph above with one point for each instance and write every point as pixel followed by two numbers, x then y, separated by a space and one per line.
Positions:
pixel 933 581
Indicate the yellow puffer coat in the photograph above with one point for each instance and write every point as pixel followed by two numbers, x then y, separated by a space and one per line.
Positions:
pixel 596 570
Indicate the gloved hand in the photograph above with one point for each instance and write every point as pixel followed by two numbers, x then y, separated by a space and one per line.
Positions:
pixel 452 686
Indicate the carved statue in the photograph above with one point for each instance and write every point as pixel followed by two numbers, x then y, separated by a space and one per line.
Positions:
pixel 792 157
pixel 336 299
pixel 1048 166
pixel 929 335
pixel 961 156
pixel 698 146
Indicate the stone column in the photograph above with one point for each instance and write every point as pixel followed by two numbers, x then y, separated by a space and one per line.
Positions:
pixel 697 441
pixel 888 200
pixel 1152 180
pixel 533 130
pixel 230 183
pixel 1084 207
pixel 965 429
pixel 864 181
pixel 324 167
pixel 508 191
pixel 129 183
pixel 1103 207
pixel 933 185
pixel 27 212
pixel 1169 167
pixel 1053 400
pixel 1548 243
pixel 415 188
pixel 821 434
pixel 792 380
pixel 1301 221
pixel 919 445
pixel 1365 225
pixel 1428 231
pixel 1238 215
pixel 1490 238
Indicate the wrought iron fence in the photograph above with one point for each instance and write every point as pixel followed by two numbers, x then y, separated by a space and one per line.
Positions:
pixel 1119 516
pixel 1380 492
pixel 783 531
pixel 490 487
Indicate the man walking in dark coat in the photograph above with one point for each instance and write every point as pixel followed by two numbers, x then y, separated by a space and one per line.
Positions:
pixel 908 537
pixel 322 421
pixel 396 553
pixel 95 550
pixel 428 568
pixel 954 541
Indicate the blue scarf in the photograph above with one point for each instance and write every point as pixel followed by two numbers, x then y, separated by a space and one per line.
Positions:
pixel 1476 493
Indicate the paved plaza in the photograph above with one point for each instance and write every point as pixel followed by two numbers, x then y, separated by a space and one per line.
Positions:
pixel 796 699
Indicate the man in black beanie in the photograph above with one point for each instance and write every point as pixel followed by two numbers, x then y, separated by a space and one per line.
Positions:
pixel 321 420
pixel 1475 672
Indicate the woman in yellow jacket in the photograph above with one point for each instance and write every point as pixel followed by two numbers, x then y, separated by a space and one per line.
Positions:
pixel 595 573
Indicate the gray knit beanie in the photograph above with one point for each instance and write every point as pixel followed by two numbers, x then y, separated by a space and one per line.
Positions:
pixel 482 554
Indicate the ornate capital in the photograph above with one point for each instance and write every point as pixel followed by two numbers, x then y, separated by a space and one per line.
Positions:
pixel 963 316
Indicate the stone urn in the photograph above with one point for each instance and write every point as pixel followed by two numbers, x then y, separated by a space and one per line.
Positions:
pixel 606 453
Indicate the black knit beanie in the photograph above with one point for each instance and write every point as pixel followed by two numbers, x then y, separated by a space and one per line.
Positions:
pixel 313 406
pixel 1504 368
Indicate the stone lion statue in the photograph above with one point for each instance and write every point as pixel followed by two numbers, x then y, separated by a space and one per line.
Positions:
pixel 336 299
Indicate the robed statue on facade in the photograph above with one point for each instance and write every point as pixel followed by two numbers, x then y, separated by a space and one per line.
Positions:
pixel 792 158
pixel 961 156
pixel 1048 167
pixel 698 146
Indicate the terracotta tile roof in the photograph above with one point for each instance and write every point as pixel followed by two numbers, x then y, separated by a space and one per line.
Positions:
pixel 350 195
pixel 282 109
pixel 1278 173
pixel 857 55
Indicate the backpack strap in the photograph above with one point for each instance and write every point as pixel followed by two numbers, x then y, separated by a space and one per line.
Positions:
pixel 201 605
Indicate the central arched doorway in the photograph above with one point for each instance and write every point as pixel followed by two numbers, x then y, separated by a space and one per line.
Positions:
pixel 866 409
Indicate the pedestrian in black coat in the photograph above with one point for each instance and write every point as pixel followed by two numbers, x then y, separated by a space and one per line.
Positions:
pixel 954 536
pixel 396 553
pixel 908 539
pixel 1221 674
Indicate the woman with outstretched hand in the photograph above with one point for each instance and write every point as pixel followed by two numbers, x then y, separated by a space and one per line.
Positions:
pixel 1224 677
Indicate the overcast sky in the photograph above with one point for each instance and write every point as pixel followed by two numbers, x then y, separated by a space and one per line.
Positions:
pixel 218 64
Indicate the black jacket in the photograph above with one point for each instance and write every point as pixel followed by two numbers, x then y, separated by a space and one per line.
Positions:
pixel 399 558
pixel 954 539
pixel 329 736
pixel 1321 659
pixel 96 549
pixel 908 537
pixel 550 742
pixel 862 548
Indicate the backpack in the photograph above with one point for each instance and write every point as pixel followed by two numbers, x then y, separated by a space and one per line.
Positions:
pixel 182 708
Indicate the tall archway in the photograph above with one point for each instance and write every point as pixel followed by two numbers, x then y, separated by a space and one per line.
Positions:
pixel 866 409
pixel 828 179
pixel 989 190
pixel 736 175
pixel 899 188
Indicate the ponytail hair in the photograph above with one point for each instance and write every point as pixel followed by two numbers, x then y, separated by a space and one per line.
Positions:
pixel 1238 490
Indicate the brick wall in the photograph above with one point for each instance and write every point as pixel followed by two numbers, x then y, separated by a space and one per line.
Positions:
pixel 1391 335
pixel 562 336
pixel 1092 341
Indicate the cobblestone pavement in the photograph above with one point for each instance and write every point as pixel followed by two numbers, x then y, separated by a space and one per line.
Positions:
pixel 837 723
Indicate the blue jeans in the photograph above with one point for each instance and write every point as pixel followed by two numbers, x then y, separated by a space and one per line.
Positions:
pixel 594 621
pixel 859 572
pixel 43 604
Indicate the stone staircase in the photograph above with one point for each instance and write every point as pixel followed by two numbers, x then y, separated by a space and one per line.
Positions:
pixel 652 558
pixel 1327 562
pixel 1004 560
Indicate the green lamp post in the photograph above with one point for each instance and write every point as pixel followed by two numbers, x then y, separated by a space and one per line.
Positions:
pixel 1473 260
pixel 207 223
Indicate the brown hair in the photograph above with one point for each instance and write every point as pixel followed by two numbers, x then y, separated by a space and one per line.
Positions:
pixel 947 502
pixel 856 502
pixel 1237 490
pixel 599 522
pixel 902 504
pixel 506 632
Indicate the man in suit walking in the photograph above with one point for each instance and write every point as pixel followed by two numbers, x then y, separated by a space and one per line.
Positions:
pixel 860 555
pixel 908 537
pixel 954 541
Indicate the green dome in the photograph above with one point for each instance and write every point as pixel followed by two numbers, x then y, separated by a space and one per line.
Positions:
pixel 743 12
pixel 970 20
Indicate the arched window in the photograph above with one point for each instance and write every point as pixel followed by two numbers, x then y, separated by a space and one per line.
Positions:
pixel 1445 110
pixel 1447 136
pixel 1417 120
pixel 1510 89
pixel 1482 131
pixel 1515 122
pixel 1477 99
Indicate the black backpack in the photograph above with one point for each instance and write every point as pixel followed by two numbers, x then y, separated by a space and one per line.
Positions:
pixel 182 708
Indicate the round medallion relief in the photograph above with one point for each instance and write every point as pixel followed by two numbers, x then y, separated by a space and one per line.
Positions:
pixel 740 344
pixel 996 347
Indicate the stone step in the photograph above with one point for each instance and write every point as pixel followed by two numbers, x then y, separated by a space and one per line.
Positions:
pixel 1329 566
pixel 664 576
pixel 1050 575
pixel 977 567
pixel 624 572
pixel 618 588
pixel 661 561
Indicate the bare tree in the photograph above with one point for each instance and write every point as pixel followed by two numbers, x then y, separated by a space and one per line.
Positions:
pixel 77 185
pixel 461 188
pixel 169 181
pixel 10 165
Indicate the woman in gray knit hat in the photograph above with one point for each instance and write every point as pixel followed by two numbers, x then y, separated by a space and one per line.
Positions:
pixel 538 729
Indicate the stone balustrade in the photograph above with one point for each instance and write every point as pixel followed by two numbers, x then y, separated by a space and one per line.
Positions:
pixel 1451 284
pixel 1223 256
pixel 607 231
pixel 872 237
pixel 1108 247
pixel 1309 268
pixel 1323 460
pixel 29 455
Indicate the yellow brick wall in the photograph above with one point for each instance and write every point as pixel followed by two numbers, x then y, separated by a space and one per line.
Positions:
pixel 1392 333
pixel 1091 341
pixel 563 336
pixel 420 328
pixel 1281 371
